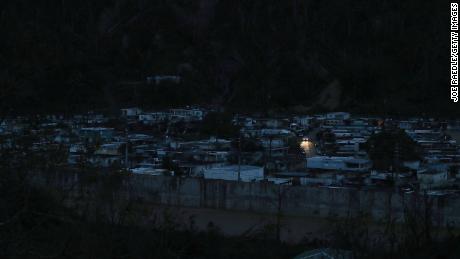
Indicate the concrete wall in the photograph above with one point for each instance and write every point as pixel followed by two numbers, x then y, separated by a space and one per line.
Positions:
pixel 258 197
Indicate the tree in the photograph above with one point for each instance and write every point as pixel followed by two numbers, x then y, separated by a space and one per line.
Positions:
pixel 390 148
pixel 219 124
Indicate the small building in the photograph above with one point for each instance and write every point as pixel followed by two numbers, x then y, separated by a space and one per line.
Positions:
pixel 274 132
pixel 350 164
pixel 211 156
pixel 163 78
pixel 350 146
pixel 272 143
pixel 150 171
pixel 153 117
pixel 303 121
pixel 243 121
pixel 131 112
pixel 108 155
pixel 336 118
pixel 96 133
pixel 247 173
pixel 405 125
pixel 186 115
pixel 77 152
pixel 249 123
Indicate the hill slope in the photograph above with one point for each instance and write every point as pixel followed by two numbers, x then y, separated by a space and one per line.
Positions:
pixel 386 56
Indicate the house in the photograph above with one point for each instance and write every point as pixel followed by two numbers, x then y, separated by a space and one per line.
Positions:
pixel 131 112
pixel 95 118
pixel 150 171
pixel 249 123
pixel 431 178
pixel 108 155
pixel 211 156
pixel 303 121
pixel 280 181
pixel 274 147
pixel 77 153
pixel 247 173
pixel 342 133
pixel 208 144
pixel 96 133
pixel 268 143
pixel 423 134
pixel 196 169
pixel 163 78
pixel 186 114
pixel 152 117
pixel 349 146
pixel 244 121
pixel 336 118
pixel 274 132
pixel 349 164
pixel 405 125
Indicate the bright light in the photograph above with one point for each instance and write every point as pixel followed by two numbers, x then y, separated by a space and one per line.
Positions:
pixel 307 146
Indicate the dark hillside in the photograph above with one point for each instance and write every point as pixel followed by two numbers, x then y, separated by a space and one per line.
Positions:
pixel 376 56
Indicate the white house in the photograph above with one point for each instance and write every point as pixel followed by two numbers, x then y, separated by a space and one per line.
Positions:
pixel 272 143
pixel 130 112
pixel 339 163
pixel 186 114
pixel 108 155
pixel 274 132
pixel 211 156
pixel 149 171
pixel 303 121
pixel 336 118
pixel 152 117
pixel 247 173
pixel 94 133
pixel 405 125
pixel 350 146
pixel 249 122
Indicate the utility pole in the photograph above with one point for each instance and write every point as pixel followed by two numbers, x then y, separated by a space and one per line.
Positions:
pixel 239 156
pixel 397 160
pixel 270 146
pixel 126 148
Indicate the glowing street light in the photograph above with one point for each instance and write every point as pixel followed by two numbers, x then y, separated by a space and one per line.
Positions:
pixel 307 146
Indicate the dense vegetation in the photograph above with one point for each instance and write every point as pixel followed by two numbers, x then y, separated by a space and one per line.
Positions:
pixel 384 56
pixel 36 222
pixel 390 148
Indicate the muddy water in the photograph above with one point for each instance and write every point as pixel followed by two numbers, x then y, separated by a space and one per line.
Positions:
pixel 237 223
